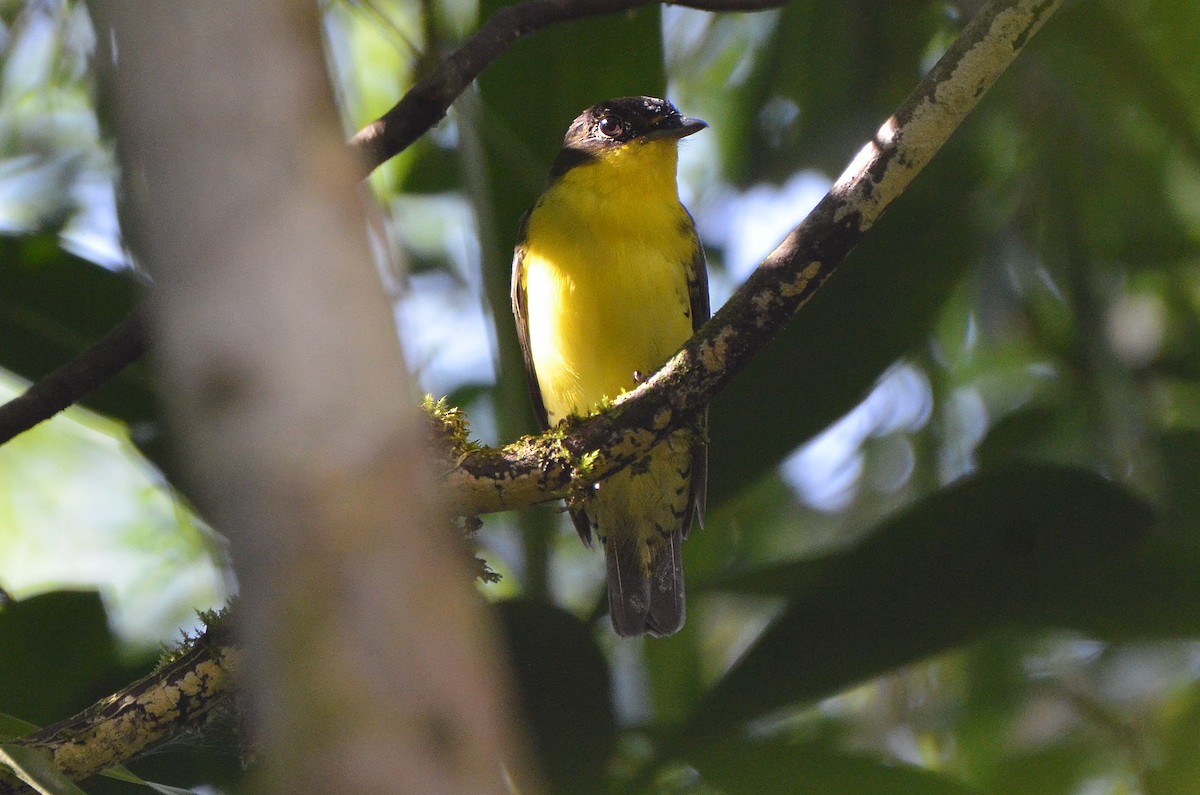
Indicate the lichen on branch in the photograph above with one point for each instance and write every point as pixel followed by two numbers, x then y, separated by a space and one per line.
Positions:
pixel 539 468
pixel 189 683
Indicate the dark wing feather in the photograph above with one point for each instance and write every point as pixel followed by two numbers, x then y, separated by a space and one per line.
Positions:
pixel 521 313
pixel 698 284
pixel 698 297
pixel 520 308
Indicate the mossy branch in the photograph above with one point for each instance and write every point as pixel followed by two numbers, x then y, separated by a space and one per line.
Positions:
pixel 421 107
pixel 539 468
pixel 178 695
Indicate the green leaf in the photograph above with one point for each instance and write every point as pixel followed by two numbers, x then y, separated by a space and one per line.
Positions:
pixel 168 790
pixel 1132 65
pixel 1177 766
pixel 1041 431
pixel 122 773
pixel 12 727
pixel 674 671
pixel 59 656
pixel 996 693
pixel 1180 450
pixel 564 691
pixel 1094 159
pixel 522 136
pixel 1037 545
pixel 844 66
pixel 1152 594
pixel 35 768
pixel 740 766
pixel 1048 771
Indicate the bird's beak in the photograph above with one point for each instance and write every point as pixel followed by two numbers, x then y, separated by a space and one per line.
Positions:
pixel 678 127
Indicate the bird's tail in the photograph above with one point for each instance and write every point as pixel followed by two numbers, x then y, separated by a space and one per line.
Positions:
pixel 641 600
pixel 642 515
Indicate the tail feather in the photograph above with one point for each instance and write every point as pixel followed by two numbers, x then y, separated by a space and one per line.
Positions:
pixel 641 515
pixel 637 603
pixel 666 586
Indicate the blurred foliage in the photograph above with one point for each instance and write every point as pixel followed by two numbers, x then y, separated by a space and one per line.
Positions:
pixel 1003 597
pixel 563 686
pixel 78 508
pixel 59 656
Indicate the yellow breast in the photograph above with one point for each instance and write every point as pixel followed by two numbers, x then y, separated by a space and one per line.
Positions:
pixel 605 268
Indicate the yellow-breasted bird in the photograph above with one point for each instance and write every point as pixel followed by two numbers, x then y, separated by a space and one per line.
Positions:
pixel 609 280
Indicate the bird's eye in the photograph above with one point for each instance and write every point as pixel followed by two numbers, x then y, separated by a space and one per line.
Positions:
pixel 610 126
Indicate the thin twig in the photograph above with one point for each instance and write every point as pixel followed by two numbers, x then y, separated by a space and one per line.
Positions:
pixel 426 103
pixel 88 371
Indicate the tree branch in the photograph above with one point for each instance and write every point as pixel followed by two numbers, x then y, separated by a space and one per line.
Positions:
pixel 123 725
pixel 88 371
pixel 536 469
pixel 422 106
pixel 426 103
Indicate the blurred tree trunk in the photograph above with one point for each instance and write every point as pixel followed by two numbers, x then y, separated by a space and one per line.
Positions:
pixel 370 669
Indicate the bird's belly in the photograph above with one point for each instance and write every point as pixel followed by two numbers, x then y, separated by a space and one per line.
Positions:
pixel 595 323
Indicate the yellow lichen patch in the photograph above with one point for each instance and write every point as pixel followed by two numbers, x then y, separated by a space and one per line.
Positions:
pixel 121 726
pixel 710 356
pixel 798 285
pixel 160 703
pixel 762 304
pixel 713 354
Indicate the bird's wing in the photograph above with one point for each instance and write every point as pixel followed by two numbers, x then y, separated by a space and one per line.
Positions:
pixel 697 276
pixel 521 312
pixel 520 308
pixel 698 296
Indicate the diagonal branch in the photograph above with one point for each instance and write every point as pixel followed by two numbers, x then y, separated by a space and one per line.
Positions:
pixel 120 727
pixel 88 371
pixel 422 106
pixel 531 470
pixel 426 103
pixel 535 469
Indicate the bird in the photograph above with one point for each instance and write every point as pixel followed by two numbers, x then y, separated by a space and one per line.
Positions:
pixel 608 281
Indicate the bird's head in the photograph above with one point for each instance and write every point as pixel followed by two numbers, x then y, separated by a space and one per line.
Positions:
pixel 625 132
